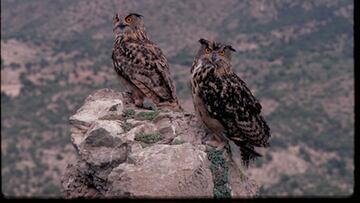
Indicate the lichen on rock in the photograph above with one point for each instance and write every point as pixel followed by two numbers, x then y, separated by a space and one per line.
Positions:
pixel 219 169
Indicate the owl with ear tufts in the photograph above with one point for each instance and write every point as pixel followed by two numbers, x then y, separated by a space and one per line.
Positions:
pixel 140 64
pixel 224 103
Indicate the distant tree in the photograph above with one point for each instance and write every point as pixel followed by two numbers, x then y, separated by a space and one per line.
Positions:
pixel 27 84
pixel 28 66
pixel 14 65
pixel 44 63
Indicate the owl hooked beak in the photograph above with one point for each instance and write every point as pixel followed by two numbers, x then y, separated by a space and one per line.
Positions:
pixel 121 27
pixel 214 57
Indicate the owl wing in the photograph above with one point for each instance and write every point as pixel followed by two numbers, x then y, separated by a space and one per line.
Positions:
pixel 248 100
pixel 146 67
pixel 231 102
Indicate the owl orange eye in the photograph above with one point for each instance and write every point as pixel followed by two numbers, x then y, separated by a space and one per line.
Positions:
pixel 128 20
pixel 222 53
pixel 207 50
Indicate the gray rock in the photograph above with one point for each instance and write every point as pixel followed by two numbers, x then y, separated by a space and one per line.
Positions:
pixel 78 181
pixel 163 171
pixel 125 151
pixel 101 145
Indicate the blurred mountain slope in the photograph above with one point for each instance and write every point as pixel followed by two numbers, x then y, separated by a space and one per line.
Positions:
pixel 296 56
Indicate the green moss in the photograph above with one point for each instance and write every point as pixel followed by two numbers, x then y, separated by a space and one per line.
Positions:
pixel 147 115
pixel 164 110
pixel 242 175
pixel 219 169
pixel 178 141
pixel 216 157
pixel 148 137
pixel 222 192
pixel 129 113
pixel 126 126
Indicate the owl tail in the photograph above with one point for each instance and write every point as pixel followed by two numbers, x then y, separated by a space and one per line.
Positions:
pixel 248 153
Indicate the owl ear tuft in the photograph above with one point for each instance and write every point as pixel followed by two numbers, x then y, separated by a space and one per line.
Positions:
pixel 116 18
pixel 230 47
pixel 204 41
pixel 137 15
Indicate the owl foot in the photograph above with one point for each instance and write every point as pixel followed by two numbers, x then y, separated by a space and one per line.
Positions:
pixel 170 105
pixel 128 93
pixel 139 102
pixel 218 145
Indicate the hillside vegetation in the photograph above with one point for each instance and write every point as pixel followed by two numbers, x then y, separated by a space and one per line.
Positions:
pixel 295 55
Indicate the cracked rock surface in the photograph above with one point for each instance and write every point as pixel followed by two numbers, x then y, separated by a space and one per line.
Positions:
pixel 127 152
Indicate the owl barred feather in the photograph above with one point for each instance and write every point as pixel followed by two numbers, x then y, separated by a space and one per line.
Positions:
pixel 140 64
pixel 223 101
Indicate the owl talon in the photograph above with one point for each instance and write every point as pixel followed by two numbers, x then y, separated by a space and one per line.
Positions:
pixel 216 144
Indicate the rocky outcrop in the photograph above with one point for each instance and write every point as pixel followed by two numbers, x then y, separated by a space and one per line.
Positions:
pixel 124 151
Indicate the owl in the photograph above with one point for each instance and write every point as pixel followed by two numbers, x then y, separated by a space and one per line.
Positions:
pixel 224 103
pixel 140 65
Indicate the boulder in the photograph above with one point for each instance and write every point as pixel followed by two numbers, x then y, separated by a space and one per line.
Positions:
pixel 129 152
